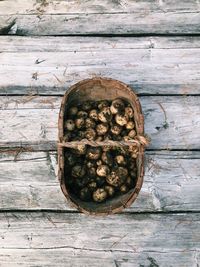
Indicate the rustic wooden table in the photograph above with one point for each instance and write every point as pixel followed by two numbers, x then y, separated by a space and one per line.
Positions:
pixel 47 45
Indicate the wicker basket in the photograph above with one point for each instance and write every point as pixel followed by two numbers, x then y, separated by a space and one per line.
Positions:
pixel 100 89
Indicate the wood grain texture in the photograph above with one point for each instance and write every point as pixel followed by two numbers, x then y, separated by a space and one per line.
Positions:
pixel 31 121
pixel 50 65
pixel 11 43
pixel 99 24
pixel 65 257
pixel 97 17
pixel 27 7
pixel 29 182
pixel 49 239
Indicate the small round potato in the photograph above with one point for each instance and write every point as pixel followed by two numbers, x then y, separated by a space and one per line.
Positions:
pixel 116 129
pixel 129 112
pixel 93 114
pixel 121 119
pixel 103 104
pixel 120 160
pixel 78 171
pixel 90 123
pixel 100 195
pixel 85 194
pixel 110 190
pixel 105 115
pixel 80 150
pixel 132 134
pixel 73 111
pixel 107 158
pixel 90 134
pixel 130 125
pixel 115 179
pixel 117 106
pixel 80 123
pixel 82 114
pixel 103 170
pixel 102 128
pixel 69 125
pixel 124 188
pixel 86 106
pixel 93 153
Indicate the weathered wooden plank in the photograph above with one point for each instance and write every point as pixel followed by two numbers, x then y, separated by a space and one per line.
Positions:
pixel 171 122
pixel 63 257
pixel 50 65
pixel 27 7
pixel 117 23
pixel 29 182
pixel 11 43
pixel 67 44
pixel 48 239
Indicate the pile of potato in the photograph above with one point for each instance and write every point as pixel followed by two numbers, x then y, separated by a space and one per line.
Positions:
pixel 99 173
pixel 100 120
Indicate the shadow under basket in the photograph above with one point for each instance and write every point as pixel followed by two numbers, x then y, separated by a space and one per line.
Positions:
pixel 102 89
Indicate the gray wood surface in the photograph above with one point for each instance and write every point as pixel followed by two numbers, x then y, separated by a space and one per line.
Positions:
pixel 35 7
pixel 171 122
pixel 46 239
pixel 37 226
pixel 9 43
pixel 50 65
pixel 99 17
pixel 29 181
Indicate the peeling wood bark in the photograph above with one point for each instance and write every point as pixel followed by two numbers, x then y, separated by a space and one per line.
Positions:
pixel 171 122
pixel 48 66
pixel 171 182
pixel 49 239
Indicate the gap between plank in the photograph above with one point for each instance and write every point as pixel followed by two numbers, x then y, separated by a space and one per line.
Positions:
pixel 26 148
pixel 76 211
pixel 138 94
pixel 191 34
